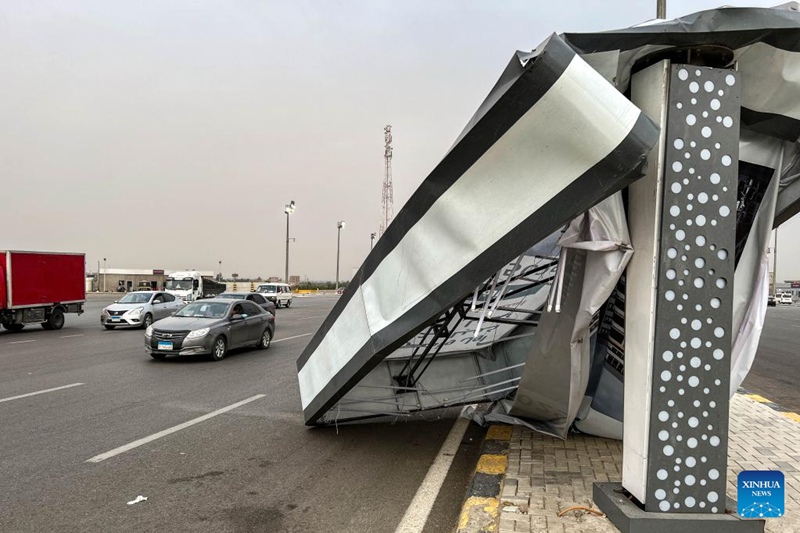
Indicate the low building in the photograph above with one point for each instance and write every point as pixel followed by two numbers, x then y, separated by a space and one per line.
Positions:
pixel 127 280
pixel 789 286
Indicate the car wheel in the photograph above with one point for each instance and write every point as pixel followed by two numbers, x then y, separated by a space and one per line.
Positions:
pixel 219 348
pixel 159 356
pixel 14 327
pixel 56 320
pixel 108 327
pixel 288 303
pixel 148 321
pixel 265 340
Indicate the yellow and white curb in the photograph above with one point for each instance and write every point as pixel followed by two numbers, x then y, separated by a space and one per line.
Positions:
pixel 794 417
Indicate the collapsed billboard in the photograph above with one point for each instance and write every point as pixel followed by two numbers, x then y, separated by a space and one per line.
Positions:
pixel 502 278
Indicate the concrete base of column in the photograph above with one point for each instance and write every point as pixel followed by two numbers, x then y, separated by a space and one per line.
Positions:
pixel 629 518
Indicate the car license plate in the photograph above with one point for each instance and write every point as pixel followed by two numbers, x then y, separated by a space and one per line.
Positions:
pixel 164 345
pixel 115 319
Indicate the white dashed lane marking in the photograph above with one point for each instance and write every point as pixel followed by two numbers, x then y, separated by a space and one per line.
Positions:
pixel 169 431
pixel 290 338
pixel 40 392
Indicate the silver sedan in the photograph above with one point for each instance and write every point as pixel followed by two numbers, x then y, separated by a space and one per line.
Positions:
pixel 211 327
pixel 140 309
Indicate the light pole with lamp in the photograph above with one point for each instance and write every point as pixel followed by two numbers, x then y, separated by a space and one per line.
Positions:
pixel 288 209
pixel 220 271
pixel 339 226
pixel 372 240
pixel 105 274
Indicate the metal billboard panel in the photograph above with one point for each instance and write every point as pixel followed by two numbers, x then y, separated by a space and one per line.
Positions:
pixel 557 140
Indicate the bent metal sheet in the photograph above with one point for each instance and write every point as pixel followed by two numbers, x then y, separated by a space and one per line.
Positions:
pixel 551 140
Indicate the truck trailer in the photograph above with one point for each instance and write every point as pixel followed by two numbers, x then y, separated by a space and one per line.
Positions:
pixel 40 287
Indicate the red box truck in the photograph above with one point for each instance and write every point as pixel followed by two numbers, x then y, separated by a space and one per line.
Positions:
pixel 40 287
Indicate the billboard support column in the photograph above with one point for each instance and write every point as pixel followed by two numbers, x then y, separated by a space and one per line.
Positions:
pixel 679 291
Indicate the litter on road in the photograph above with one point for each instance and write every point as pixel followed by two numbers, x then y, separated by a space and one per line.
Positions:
pixel 138 499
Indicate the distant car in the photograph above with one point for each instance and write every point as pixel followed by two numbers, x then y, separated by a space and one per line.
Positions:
pixel 786 298
pixel 139 309
pixel 258 299
pixel 771 301
pixel 211 327
pixel 279 293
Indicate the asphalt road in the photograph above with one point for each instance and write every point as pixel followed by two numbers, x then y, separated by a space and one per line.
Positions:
pixel 775 373
pixel 253 468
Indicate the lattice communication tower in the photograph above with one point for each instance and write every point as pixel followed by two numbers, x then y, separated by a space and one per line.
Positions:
pixel 388 193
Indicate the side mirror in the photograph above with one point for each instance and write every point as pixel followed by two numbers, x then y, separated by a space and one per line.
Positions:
pixel 237 316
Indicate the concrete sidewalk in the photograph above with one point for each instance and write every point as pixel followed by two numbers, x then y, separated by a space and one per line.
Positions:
pixel 546 476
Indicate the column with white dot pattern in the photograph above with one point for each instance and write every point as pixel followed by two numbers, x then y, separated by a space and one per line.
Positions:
pixel 691 368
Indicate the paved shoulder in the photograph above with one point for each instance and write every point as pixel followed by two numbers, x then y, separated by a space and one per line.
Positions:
pixel 545 484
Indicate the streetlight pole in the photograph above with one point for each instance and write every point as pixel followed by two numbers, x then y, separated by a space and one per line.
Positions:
pixel 661 9
pixel 220 271
pixel 775 265
pixel 288 209
pixel 339 226
pixel 371 240
pixel 105 274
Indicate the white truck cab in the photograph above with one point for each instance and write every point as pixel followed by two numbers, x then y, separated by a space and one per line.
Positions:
pixel 190 285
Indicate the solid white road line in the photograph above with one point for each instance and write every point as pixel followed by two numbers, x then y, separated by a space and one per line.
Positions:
pixel 290 338
pixel 22 342
pixel 156 436
pixel 310 317
pixel 417 513
pixel 70 336
pixel 39 392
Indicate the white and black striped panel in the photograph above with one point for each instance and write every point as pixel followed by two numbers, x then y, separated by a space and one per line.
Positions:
pixel 732 27
pixel 556 142
pixel 769 90
pixel 788 203
pixel 763 42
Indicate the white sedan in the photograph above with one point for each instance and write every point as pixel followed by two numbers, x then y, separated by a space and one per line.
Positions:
pixel 140 309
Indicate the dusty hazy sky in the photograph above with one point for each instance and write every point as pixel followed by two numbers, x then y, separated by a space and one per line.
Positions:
pixel 170 134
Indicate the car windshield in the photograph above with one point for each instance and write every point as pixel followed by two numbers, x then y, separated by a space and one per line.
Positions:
pixel 204 310
pixel 178 285
pixel 135 298
pixel 267 288
pixel 231 296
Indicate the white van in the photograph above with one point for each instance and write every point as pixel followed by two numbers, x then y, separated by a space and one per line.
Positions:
pixel 278 293
pixel 785 298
